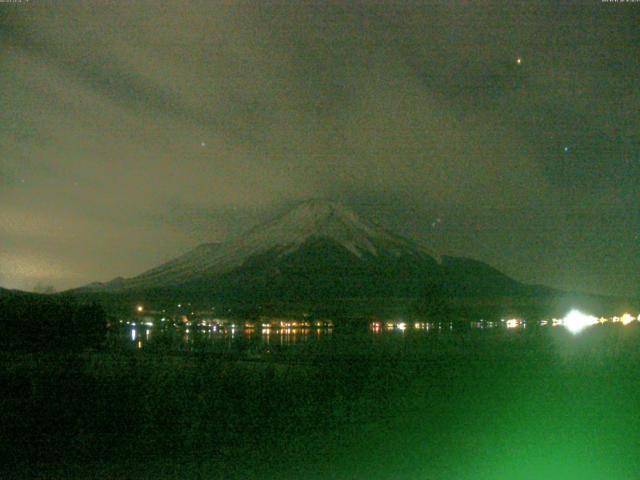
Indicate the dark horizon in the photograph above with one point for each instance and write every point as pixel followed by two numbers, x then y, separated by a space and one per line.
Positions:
pixel 504 132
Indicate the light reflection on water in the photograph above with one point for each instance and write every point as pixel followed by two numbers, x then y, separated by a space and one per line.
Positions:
pixel 178 335
pixel 226 337
pixel 280 334
pixel 193 329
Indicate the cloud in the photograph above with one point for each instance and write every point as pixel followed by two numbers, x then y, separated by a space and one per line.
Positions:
pixel 392 108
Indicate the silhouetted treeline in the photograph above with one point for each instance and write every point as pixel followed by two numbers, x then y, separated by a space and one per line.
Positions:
pixel 35 322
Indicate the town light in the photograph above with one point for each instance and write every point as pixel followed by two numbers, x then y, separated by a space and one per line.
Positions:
pixel 575 321
pixel 513 323
pixel 626 319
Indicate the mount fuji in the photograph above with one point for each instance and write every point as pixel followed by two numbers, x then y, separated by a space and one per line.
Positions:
pixel 319 250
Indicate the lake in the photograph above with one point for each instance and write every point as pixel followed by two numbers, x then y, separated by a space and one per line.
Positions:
pixel 400 403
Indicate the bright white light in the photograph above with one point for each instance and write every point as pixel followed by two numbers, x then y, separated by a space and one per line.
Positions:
pixel 402 326
pixel 133 334
pixel 626 319
pixel 139 308
pixel 575 321
pixel 513 323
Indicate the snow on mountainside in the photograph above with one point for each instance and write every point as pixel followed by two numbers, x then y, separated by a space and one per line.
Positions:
pixel 311 220
pixel 322 219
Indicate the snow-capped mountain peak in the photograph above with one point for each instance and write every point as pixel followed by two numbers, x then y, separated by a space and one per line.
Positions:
pixel 318 219
pixel 308 221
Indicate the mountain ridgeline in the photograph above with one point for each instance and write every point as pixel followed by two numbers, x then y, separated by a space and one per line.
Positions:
pixel 317 252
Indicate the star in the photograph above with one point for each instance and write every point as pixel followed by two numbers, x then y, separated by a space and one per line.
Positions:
pixel 519 61
pixel 566 149
pixel 203 144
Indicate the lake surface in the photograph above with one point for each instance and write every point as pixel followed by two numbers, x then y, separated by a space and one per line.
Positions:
pixel 408 403
pixel 375 338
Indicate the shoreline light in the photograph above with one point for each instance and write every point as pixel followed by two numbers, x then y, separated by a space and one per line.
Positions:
pixel 575 321
pixel 513 323
pixel 626 319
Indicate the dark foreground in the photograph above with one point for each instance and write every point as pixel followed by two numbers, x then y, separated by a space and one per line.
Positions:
pixel 485 405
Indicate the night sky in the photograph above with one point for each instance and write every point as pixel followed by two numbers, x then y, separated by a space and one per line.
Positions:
pixel 132 131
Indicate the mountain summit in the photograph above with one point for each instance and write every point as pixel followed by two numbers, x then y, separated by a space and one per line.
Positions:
pixel 316 251
pixel 328 220
pixel 310 221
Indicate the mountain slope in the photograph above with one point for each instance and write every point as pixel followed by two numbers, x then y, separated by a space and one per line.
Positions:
pixel 317 251
pixel 466 276
pixel 4 292
pixel 360 240
pixel 321 269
